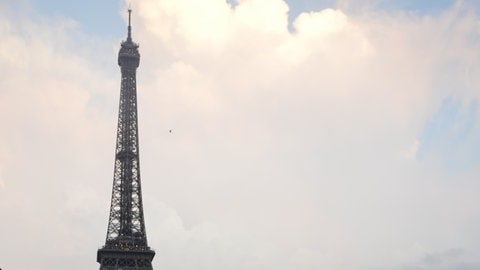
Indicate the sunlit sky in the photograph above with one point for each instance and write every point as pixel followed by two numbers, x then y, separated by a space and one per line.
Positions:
pixel 304 134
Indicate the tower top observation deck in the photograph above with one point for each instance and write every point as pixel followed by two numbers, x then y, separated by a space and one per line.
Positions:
pixel 128 56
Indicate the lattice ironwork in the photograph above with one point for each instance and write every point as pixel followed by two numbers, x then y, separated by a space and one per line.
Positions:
pixel 126 243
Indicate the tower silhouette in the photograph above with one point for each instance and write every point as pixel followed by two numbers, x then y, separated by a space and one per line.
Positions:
pixel 126 245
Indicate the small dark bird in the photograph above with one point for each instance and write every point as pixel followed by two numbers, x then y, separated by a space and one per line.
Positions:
pixel 170 131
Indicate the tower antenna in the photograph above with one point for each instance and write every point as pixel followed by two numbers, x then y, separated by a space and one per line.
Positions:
pixel 129 38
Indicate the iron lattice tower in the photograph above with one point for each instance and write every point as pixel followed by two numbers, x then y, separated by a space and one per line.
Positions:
pixel 126 245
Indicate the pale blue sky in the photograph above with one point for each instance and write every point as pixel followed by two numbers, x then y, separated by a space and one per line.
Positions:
pixel 353 143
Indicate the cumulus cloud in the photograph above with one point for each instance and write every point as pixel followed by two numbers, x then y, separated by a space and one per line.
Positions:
pixel 285 142
pixel 311 120
pixel 51 137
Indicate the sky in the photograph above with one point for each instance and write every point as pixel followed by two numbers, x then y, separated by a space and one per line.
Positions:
pixel 304 134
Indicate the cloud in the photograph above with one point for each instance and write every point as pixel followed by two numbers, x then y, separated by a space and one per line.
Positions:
pixel 2 182
pixel 285 142
pixel 447 259
pixel 308 123
pixel 411 152
pixel 51 133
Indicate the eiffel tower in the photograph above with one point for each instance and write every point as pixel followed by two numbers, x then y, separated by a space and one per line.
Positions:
pixel 126 245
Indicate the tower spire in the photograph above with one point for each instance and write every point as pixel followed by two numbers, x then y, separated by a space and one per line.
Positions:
pixel 129 38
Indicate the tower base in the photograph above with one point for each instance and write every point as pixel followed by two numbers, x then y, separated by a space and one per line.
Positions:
pixel 120 259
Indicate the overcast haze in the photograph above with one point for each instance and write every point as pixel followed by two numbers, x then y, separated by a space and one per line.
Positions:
pixel 305 135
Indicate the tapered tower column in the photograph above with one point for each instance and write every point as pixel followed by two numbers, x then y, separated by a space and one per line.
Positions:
pixel 126 245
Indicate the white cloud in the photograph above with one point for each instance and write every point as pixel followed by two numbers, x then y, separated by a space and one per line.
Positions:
pixel 411 152
pixel 301 148
pixel 284 150
pixel 2 182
